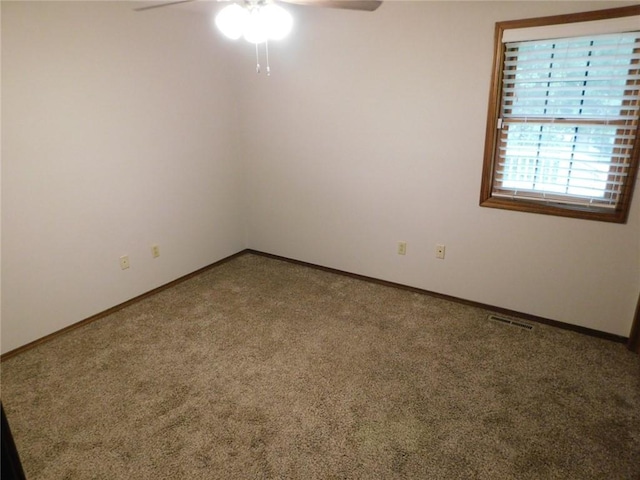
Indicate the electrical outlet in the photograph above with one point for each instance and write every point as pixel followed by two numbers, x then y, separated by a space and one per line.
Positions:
pixel 155 251
pixel 402 248
pixel 124 262
pixel 440 252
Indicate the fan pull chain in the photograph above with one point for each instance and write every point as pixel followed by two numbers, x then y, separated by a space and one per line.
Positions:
pixel 266 49
pixel 257 60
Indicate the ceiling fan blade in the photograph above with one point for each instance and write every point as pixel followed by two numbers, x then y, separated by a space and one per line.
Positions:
pixel 364 5
pixel 160 5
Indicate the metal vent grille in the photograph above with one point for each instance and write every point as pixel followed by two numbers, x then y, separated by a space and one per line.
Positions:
pixel 508 321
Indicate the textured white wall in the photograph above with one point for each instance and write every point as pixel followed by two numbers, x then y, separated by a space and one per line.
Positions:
pixel 118 132
pixel 371 131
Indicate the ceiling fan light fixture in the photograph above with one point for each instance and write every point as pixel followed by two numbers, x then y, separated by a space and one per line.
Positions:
pixel 257 23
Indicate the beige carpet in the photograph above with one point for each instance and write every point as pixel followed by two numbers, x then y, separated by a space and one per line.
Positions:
pixel 262 369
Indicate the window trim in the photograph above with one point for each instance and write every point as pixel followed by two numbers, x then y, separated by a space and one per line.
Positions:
pixel 621 212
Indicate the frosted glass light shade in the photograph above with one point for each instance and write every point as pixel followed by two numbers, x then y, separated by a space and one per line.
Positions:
pixel 231 21
pixel 277 20
pixel 255 28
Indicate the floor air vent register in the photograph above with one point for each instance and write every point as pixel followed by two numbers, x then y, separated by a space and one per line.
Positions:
pixel 508 321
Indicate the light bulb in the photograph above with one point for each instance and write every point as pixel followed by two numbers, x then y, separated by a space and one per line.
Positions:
pixel 231 21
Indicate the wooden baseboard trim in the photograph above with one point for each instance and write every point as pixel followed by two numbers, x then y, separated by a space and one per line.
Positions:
pixel 98 316
pixel 505 311
pixel 566 326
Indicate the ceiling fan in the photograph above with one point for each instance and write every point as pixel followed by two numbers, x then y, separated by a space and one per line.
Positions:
pixel 259 21
pixel 366 5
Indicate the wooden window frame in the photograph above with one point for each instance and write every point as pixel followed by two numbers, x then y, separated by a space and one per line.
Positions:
pixel 621 212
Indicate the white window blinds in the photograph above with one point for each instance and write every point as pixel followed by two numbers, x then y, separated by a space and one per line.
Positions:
pixel 568 119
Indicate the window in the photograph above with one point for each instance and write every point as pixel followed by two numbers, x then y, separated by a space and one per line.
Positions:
pixel 562 130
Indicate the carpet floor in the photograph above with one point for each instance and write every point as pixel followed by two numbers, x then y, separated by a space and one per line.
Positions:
pixel 264 369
